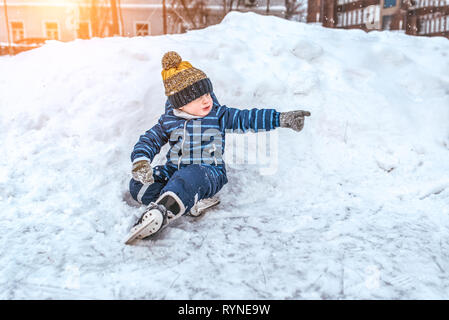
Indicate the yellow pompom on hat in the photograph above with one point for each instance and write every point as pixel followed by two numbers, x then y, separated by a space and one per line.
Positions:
pixel 183 83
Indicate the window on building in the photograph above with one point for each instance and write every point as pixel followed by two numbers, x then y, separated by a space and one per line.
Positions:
pixel 389 3
pixel 17 30
pixel 83 31
pixel 386 22
pixel 52 30
pixel 339 19
pixel 422 25
pixel 142 29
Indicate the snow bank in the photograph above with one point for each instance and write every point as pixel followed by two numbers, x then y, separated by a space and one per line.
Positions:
pixel 358 207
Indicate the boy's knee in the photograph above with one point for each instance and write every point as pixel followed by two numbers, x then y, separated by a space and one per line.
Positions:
pixel 134 188
pixel 192 168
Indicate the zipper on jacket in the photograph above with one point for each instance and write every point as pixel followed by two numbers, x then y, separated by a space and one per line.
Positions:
pixel 182 145
pixel 213 150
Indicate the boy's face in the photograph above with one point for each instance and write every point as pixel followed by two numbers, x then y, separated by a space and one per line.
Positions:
pixel 199 107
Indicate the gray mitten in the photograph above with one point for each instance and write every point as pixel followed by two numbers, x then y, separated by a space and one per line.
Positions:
pixel 143 172
pixel 293 119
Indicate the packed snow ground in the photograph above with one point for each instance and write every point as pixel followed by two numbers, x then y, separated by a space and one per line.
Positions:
pixel 358 206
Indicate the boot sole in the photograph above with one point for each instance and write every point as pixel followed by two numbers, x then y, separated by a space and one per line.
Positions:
pixel 208 204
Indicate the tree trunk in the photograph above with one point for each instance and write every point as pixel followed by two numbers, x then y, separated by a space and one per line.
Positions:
pixel 114 18
pixel 94 18
pixel 164 16
pixel 7 29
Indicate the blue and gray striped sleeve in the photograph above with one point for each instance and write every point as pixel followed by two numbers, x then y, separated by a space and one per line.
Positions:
pixel 150 143
pixel 243 120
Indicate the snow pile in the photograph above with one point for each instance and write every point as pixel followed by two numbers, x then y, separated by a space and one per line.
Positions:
pixel 358 207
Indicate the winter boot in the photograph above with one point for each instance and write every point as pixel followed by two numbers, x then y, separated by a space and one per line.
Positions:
pixel 149 223
pixel 157 216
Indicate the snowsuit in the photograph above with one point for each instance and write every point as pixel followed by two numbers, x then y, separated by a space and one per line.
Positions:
pixel 195 168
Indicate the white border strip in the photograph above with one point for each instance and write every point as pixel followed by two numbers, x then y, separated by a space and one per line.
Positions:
pixel 142 192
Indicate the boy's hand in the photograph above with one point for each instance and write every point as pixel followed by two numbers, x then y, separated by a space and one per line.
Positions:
pixel 293 119
pixel 143 172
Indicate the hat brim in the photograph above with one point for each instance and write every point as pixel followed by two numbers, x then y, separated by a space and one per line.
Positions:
pixel 190 93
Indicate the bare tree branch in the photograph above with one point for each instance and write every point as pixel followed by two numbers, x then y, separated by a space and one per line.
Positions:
pixel 193 14
pixel 99 14
pixel 295 8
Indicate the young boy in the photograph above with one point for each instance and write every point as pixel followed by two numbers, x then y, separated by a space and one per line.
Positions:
pixel 194 124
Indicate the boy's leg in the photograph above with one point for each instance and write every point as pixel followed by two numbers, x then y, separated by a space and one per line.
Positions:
pixel 150 192
pixel 193 183
pixel 185 187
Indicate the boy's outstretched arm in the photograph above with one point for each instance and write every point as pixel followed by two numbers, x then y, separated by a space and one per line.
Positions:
pixel 260 119
pixel 242 120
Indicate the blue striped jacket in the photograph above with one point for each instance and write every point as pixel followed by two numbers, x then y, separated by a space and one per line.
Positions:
pixel 200 139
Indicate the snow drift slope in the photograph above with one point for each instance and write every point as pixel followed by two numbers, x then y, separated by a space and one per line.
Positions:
pixel 358 207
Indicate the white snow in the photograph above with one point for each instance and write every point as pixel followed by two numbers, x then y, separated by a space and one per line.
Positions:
pixel 358 207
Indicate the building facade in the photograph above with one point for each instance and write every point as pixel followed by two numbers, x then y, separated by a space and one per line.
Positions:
pixel 414 17
pixel 71 19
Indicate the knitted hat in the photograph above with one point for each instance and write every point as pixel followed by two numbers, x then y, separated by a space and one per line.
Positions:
pixel 183 83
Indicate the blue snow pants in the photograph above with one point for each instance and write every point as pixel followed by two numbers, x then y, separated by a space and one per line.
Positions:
pixel 191 183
